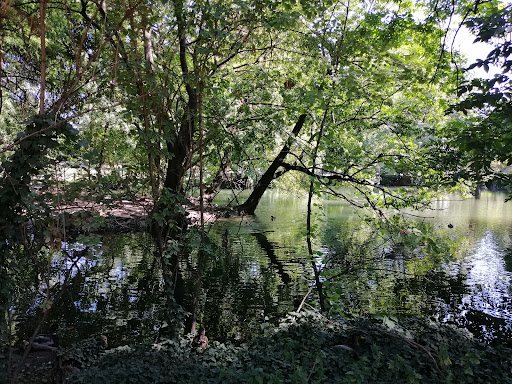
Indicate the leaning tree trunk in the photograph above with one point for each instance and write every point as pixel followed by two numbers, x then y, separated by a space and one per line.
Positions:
pixel 250 205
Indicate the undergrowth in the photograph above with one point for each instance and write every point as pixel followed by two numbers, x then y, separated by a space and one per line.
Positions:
pixel 308 348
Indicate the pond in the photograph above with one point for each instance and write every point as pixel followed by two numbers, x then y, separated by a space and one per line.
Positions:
pixel 258 270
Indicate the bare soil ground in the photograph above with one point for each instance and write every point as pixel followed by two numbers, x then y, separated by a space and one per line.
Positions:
pixel 129 215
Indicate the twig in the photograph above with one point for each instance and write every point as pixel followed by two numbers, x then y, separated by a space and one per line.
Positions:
pixel 29 347
pixel 312 371
pixel 304 299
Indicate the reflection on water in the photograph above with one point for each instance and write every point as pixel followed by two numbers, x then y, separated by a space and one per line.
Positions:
pixel 488 278
pixel 472 292
pixel 113 289
pixel 259 270
pixel 487 309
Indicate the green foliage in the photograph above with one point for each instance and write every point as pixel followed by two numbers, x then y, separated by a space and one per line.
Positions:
pixel 310 348
pixel 484 136
pixel 82 354
pixel 365 74
pixel 170 87
pixel 29 158
pixel 19 204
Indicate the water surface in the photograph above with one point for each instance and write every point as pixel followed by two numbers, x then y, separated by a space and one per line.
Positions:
pixel 258 270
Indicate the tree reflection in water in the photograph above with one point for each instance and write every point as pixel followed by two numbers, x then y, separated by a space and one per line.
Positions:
pixel 255 274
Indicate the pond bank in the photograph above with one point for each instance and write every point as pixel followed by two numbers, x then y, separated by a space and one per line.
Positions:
pixel 126 215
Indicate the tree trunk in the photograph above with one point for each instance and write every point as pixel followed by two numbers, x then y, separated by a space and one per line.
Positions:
pixel 42 16
pixel 149 143
pixel 316 271
pixel 180 145
pixel 478 191
pixel 250 205
pixel 173 223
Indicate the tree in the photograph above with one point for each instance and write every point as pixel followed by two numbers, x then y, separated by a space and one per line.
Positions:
pixel 482 139
pixel 369 98
pixel 336 92
pixel 47 79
